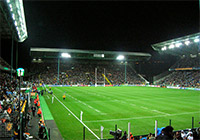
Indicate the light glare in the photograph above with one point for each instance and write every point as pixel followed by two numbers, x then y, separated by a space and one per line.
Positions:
pixel 120 57
pixel 66 55
pixel 187 42
pixel 171 46
pixel 164 48
pixel 178 44
pixel 196 40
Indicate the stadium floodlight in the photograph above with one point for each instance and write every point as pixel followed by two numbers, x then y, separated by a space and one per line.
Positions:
pixel 187 42
pixel 164 48
pixel 8 1
pixel 196 40
pixel 66 55
pixel 15 23
pixel 10 5
pixel 13 16
pixel 120 57
pixel 178 44
pixel 171 46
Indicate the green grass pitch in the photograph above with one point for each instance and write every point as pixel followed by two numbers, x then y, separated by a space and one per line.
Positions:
pixel 107 106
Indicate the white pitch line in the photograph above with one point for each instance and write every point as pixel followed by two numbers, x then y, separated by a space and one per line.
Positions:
pixel 144 107
pixel 97 110
pixel 160 112
pixel 133 104
pixel 77 118
pixel 145 117
pixel 48 97
pixel 83 103
pixel 89 106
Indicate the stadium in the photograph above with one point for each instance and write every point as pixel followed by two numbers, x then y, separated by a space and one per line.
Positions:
pixel 95 94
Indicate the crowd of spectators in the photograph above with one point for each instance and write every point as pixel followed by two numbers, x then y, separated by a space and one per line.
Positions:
pixel 166 133
pixel 184 78
pixel 83 73
pixel 11 104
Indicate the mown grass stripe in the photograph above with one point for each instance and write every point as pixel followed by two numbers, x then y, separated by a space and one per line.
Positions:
pixel 45 109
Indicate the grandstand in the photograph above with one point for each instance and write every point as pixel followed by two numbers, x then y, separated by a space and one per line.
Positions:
pixel 14 101
pixel 185 72
pixel 80 68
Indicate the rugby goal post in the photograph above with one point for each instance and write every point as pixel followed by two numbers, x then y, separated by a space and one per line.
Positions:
pixel 99 82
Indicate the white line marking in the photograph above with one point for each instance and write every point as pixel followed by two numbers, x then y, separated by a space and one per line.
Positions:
pixel 160 112
pixel 48 97
pixel 83 103
pixel 77 118
pixel 145 117
pixel 97 110
pixel 144 107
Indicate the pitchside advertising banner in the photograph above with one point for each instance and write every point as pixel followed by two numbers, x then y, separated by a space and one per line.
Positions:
pixel 186 88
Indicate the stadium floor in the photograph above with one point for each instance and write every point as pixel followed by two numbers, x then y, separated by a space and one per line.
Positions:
pixel 119 105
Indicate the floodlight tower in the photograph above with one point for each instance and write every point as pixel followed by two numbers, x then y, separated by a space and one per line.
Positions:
pixel 121 57
pixel 63 55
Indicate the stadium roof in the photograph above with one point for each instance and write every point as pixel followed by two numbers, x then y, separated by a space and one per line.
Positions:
pixel 4 66
pixel 12 20
pixel 40 53
pixel 186 45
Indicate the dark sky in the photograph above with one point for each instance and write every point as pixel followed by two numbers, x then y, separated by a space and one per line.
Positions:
pixel 104 25
pixel 122 26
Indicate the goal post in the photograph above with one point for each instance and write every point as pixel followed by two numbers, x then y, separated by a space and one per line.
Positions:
pixel 97 81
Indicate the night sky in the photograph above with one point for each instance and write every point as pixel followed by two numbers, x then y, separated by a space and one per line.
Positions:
pixel 120 26
pixel 108 25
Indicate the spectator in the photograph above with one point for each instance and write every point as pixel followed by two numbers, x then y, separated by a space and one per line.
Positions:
pixel 183 135
pixel 33 108
pixel 39 112
pixel 168 134
pixel 190 137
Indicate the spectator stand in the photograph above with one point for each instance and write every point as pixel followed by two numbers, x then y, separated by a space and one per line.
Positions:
pixel 79 69
pixel 185 72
